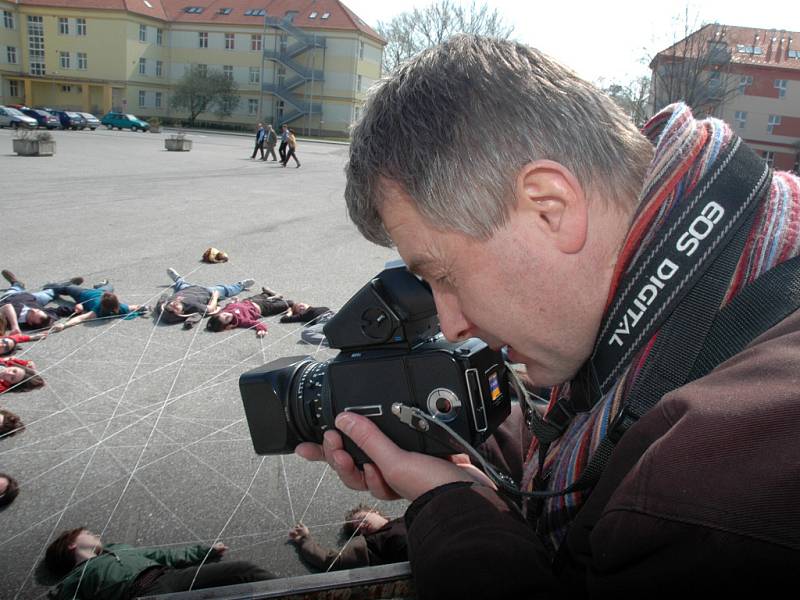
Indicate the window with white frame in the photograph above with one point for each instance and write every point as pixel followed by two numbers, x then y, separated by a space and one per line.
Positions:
pixel 142 66
pixel 159 68
pixel 63 60
pixel 11 54
pixel 83 61
pixel 158 99
pixel 741 119
pixel 361 49
pixel 230 43
pixel 8 19
pixel 769 157
pixel 256 42
pixel 142 97
pixel 142 33
pixel 67 89
pixel 252 106
pixel 255 74
pixel 80 27
pixel 780 85
pixel 202 39
pixel 63 25
pixel 359 82
pixel 227 71
pixel 744 82
pixel 159 37
pixel 36 45
pixel 13 88
pixel 774 120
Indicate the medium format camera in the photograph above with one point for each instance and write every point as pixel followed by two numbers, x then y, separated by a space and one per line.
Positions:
pixel 392 353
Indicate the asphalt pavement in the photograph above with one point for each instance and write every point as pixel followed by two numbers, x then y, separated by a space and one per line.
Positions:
pixel 139 433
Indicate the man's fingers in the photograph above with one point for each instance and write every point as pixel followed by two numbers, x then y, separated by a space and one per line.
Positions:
pixel 366 435
pixel 377 485
pixel 347 471
pixel 309 451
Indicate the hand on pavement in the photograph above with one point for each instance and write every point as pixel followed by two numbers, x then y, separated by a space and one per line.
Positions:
pixel 394 473
pixel 298 532
pixel 219 548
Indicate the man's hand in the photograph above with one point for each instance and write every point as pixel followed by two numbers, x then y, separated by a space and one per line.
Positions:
pixel 57 327
pixel 260 333
pixel 298 533
pixel 395 473
pixel 77 309
pixel 219 548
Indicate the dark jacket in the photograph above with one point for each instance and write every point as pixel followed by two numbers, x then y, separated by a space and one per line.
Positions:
pixel 700 495
pixel 23 299
pixel 110 575
pixel 387 545
pixel 195 300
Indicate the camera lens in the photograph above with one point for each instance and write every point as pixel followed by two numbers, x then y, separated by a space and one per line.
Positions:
pixel 307 402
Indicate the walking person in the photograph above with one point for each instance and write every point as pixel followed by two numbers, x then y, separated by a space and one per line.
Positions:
pixel 260 136
pixel 271 140
pixel 292 144
pixel 284 142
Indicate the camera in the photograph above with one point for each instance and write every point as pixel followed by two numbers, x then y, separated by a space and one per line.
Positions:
pixel 392 353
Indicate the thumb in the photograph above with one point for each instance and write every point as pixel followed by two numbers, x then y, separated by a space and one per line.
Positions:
pixel 366 435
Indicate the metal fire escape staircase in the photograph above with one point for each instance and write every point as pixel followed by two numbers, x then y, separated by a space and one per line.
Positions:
pixel 297 73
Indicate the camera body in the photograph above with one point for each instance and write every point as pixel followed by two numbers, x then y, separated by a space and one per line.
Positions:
pixel 391 352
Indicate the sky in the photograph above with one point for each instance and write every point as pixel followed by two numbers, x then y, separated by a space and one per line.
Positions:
pixel 610 39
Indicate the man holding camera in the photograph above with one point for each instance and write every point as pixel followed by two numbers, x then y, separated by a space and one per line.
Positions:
pixel 619 268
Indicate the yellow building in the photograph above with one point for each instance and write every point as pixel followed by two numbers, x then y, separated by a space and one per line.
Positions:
pixel 303 62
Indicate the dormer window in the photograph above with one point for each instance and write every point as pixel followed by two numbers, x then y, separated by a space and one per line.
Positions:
pixel 325 15
pixel 224 11
pixel 313 15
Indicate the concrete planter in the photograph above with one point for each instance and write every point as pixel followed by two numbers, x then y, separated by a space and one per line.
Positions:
pixel 25 147
pixel 178 144
pixel 155 129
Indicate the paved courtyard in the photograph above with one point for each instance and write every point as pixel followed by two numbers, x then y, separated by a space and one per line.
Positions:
pixel 139 433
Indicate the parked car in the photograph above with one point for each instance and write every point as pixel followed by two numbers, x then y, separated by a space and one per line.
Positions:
pixel 124 121
pixel 70 120
pixel 12 117
pixel 92 122
pixel 43 118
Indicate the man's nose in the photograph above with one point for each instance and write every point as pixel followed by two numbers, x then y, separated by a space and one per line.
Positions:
pixel 455 326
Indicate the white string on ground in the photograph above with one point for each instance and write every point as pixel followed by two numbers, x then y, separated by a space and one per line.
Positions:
pixel 233 514
pixel 288 493
pixel 314 495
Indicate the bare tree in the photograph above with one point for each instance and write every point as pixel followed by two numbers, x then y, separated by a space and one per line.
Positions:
pixel 199 91
pixel 413 31
pixel 632 97
pixel 696 70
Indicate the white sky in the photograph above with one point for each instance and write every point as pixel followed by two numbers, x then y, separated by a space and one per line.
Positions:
pixel 606 39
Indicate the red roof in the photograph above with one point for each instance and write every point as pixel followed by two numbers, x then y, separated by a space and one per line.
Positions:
pixel 338 15
pixel 749 45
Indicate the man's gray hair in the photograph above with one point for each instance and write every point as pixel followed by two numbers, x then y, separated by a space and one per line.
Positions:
pixel 454 125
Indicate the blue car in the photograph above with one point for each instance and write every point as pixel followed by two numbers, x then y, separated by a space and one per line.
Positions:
pixel 70 120
pixel 43 118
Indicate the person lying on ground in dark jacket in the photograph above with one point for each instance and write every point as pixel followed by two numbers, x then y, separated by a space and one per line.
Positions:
pixel 248 312
pixel 189 303
pixel 30 310
pixel 93 570
pixel 303 313
pixel 374 540
pixel 96 303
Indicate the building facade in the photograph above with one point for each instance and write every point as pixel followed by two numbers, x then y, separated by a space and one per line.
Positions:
pixel 303 62
pixel 748 77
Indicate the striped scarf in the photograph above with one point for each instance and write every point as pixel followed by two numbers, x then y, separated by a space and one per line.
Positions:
pixel 686 149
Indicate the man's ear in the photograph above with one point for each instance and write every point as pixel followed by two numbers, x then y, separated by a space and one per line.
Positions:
pixel 549 194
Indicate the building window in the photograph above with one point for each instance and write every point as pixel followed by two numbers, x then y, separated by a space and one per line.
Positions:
pixel 774 120
pixel 67 89
pixel 229 41
pixel 83 61
pixel 780 85
pixel 13 88
pixel 325 15
pixel 255 74
pixel 11 54
pixel 158 99
pixel 361 49
pixel 159 68
pixel 80 26
pixel 8 20
pixel 159 37
pixel 202 39
pixel 252 106
pixel 313 15
pixel 63 26
pixel 793 54
pixel 358 113
pixel 255 42
pixel 769 157
pixel 142 66
pixel 255 12
pixel 741 118
pixel 227 71
pixel 744 49
pixel 36 45
pixel 142 97
pixel 63 60
pixel 359 83
pixel 745 82
pixel 224 11
pixel 142 33
pixel 202 69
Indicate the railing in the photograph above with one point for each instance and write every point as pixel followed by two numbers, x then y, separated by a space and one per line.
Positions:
pixel 285 59
pixel 291 29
